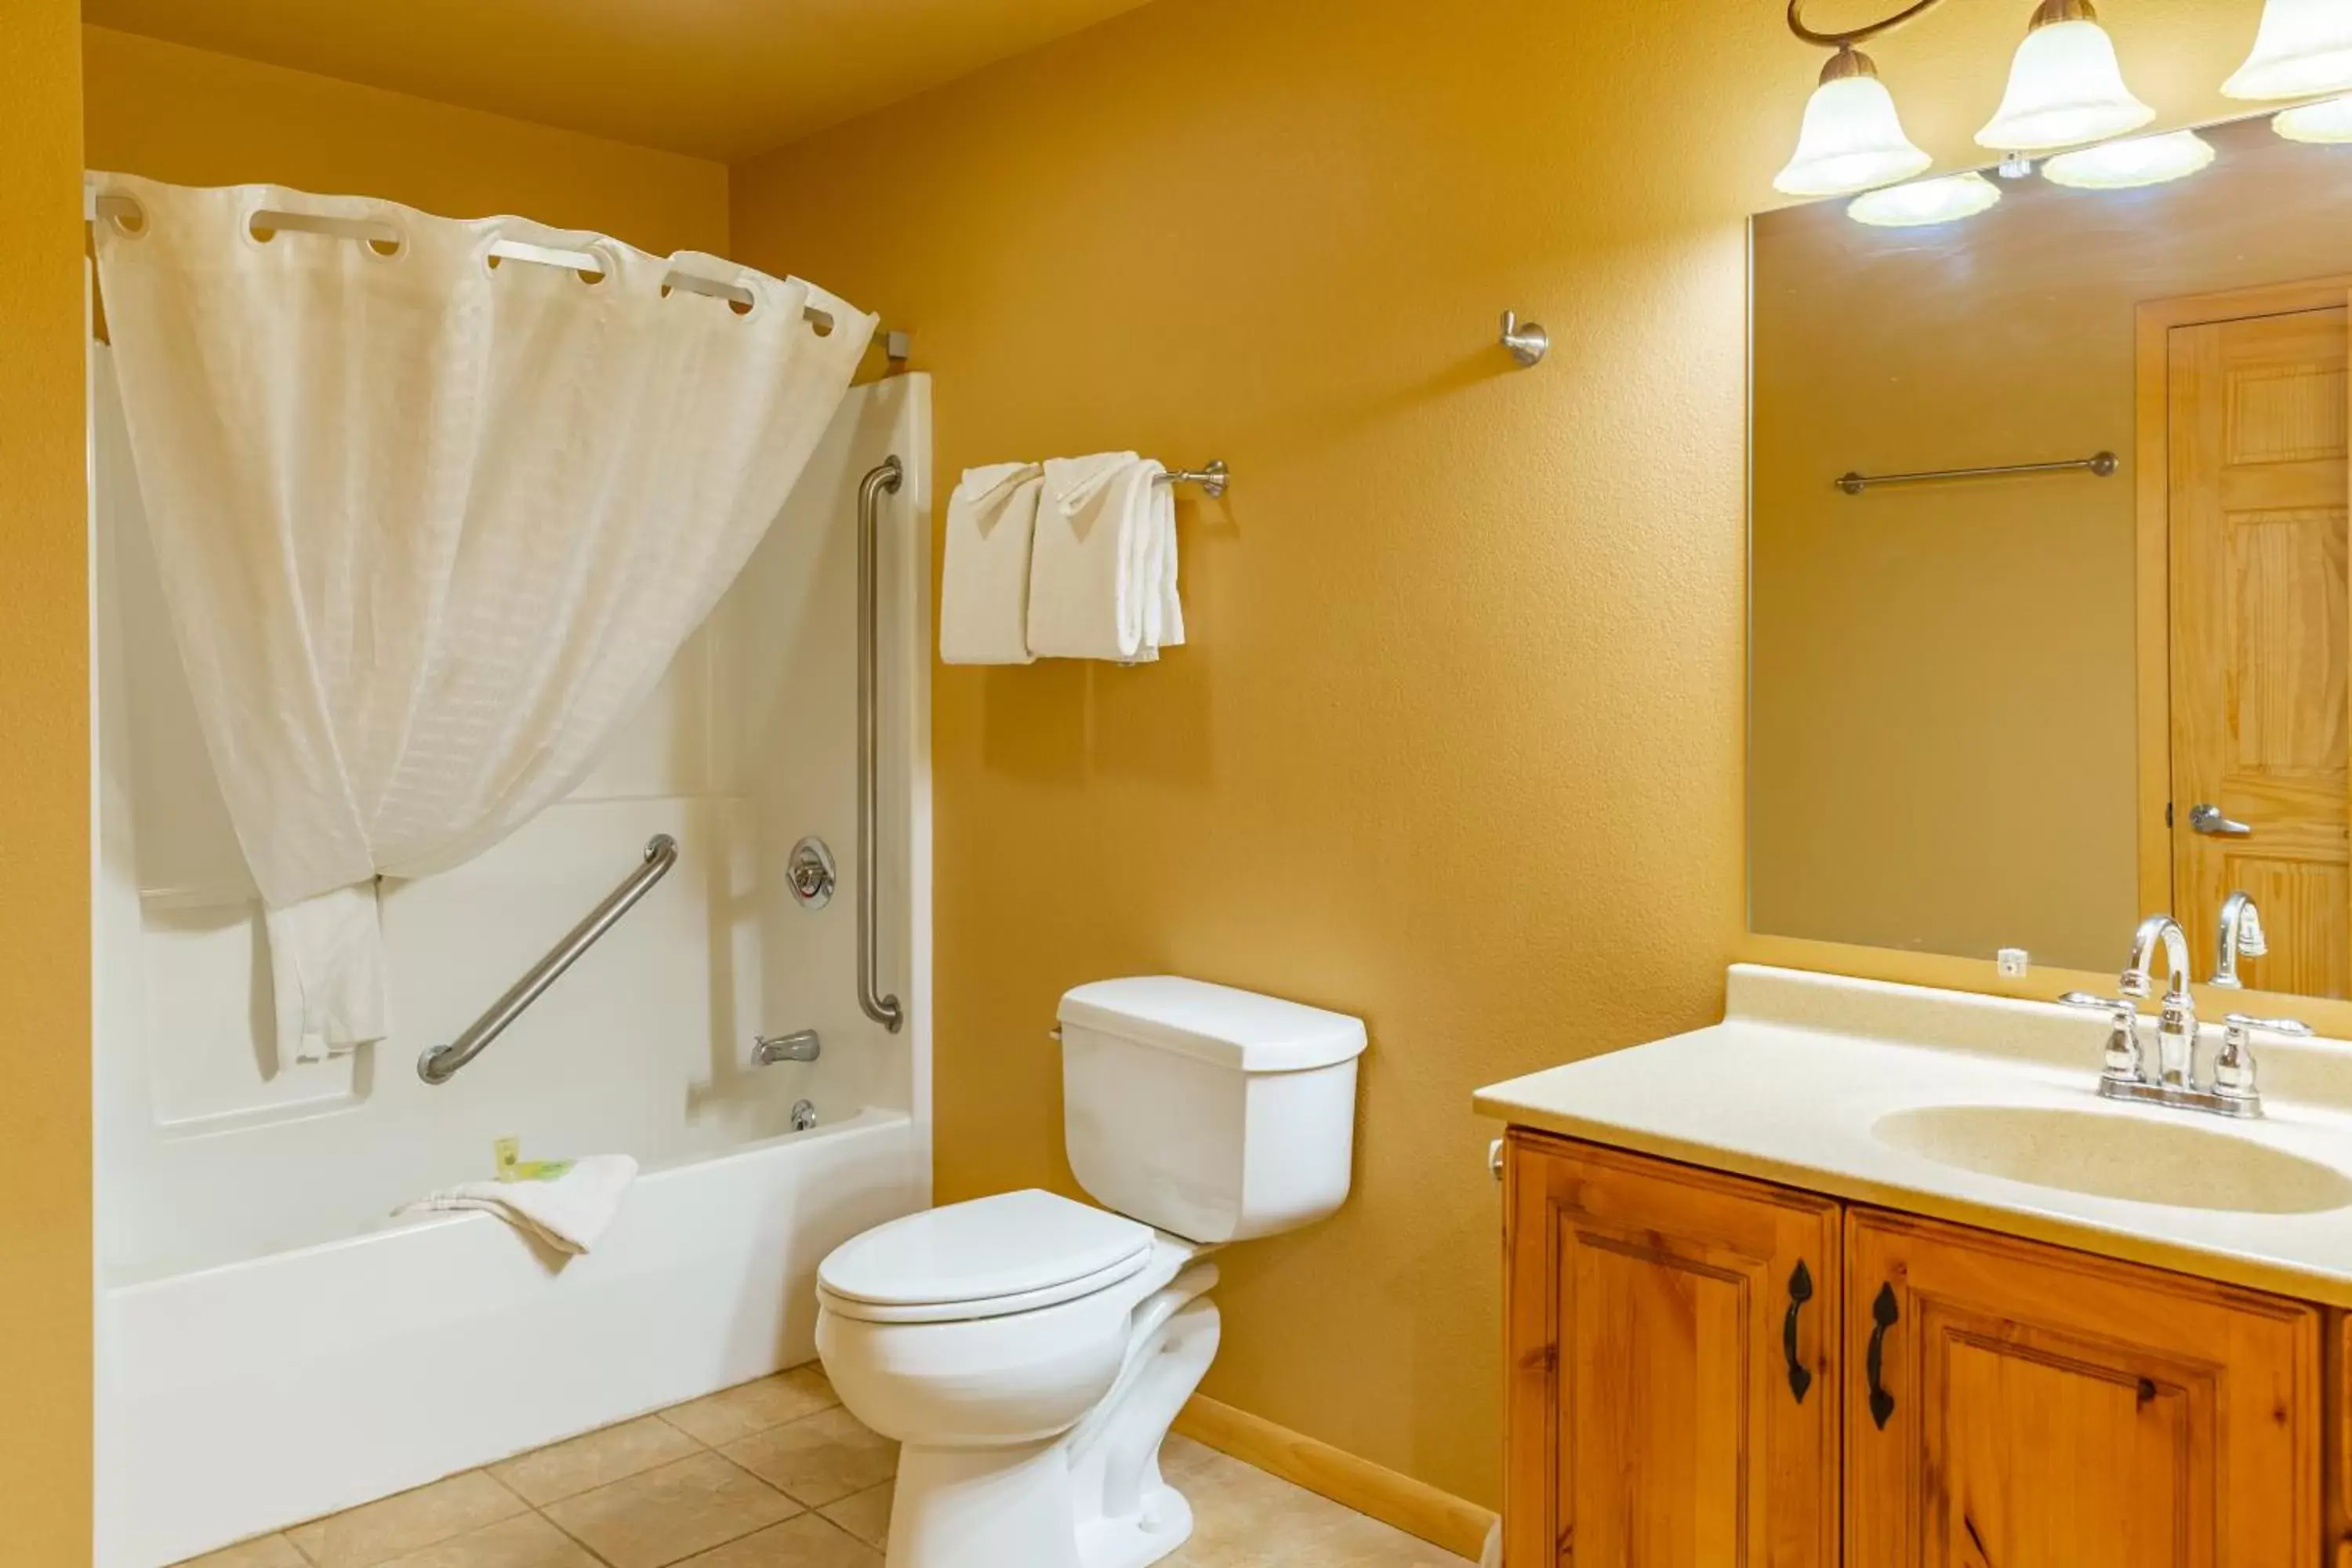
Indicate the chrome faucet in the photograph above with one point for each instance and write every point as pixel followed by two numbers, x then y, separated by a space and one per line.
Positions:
pixel 2175 1023
pixel 2125 1074
pixel 800 1046
pixel 2241 937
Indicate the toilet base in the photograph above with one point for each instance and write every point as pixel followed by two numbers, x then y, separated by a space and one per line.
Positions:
pixel 962 1507
pixel 1162 1524
pixel 977 1508
pixel 1092 1497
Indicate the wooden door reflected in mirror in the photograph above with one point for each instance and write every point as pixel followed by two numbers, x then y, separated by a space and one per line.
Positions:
pixel 2249 394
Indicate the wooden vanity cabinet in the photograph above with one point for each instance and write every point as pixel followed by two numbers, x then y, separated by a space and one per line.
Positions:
pixel 1967 1400
pixel 2017 1406
pixel 2336 1490
pixel 1673 1363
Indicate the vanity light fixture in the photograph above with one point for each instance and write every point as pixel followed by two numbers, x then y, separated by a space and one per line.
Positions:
pixel 2123 165
pixel 2066 86
pixel 1851 138
pixel 1923 202
pixel 2303 48
pixel 2328 121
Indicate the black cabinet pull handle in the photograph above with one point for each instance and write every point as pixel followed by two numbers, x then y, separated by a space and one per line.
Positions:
pixel 1801 1290
pixel 1883 1311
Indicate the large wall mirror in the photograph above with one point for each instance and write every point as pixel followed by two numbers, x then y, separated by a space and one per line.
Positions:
pixel 2096 667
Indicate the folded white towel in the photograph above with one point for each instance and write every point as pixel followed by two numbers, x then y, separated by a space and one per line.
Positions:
pixel 1163 611
pixel 567 1213
pixel 1102 575
pixel 326 974
pixel 984 587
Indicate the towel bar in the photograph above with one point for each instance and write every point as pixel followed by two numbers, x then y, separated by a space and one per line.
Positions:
pixel 2103 463
pixel 1212 479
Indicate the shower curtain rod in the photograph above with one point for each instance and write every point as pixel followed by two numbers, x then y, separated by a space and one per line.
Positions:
pixel 126 212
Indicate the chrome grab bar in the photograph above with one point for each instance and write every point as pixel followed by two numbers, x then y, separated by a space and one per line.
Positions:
pixel 440 1063
pixel 884 1010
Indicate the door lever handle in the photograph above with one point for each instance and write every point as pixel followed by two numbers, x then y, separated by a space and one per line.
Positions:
pixel 2207 820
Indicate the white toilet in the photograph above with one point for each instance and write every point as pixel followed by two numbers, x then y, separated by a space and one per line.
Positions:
pixel 1029 1351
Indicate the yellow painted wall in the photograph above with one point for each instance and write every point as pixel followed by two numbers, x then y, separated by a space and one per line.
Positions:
pixel 44 1242
pixel 1457 743
pixel 177 114
pixel 182 114
pixel 1945 724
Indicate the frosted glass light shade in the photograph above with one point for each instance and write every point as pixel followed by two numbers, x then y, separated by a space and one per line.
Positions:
pixel 2328 121
pixel 1851 140
pixel 1923 202
pixel 2304 46
pixel 2122 165
pixel 2065 88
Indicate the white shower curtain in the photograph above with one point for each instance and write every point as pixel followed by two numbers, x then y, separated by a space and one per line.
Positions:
pixel 430 524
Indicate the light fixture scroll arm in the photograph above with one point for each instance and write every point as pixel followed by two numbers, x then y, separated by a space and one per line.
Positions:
pixel 1852 35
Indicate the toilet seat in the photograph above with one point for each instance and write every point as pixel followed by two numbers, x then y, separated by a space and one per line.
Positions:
pixel 989 1258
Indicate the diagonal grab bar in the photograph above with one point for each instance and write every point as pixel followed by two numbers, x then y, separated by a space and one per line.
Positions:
pixel 440 1063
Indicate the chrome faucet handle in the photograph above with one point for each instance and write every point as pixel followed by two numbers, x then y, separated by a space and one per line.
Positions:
pixel 2233 1070
pixel 2121 1063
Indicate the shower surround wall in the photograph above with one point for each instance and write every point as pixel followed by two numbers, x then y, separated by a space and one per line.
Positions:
pixel 255 1294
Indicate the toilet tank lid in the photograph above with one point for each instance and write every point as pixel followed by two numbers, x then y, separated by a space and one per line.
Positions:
pixel 1218 1024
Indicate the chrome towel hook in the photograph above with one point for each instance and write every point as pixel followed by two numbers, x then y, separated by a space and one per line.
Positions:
pixel 1528 341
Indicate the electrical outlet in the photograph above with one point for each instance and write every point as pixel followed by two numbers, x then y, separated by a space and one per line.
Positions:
pixel 2012 963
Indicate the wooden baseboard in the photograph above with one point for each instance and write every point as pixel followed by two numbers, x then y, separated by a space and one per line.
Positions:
pixel 1415 1506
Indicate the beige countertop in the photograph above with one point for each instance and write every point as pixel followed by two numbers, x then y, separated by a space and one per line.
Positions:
pixel 1795 1084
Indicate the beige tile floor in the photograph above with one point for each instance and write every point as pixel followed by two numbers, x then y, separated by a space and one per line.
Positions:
pixel 773 1474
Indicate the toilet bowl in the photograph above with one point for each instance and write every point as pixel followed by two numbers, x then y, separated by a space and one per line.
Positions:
pixel 1030 1352
pixel 1030 1419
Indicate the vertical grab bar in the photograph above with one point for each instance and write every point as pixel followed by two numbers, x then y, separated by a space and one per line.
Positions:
pixel 884 1010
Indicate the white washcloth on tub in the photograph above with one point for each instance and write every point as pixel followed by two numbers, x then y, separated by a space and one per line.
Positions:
pixel 984 587
pixel 326 973
pixel 1103 574
pixel 567 1213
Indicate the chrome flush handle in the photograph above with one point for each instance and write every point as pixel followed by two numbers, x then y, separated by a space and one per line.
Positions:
pixel 2207 818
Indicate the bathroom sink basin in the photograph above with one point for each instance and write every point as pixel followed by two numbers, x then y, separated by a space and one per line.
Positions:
pixel 2151 1159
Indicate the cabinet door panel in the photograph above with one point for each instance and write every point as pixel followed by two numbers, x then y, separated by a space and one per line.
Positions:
pixel 1655 1418
pixel 2336 1402
pixel 2051 1410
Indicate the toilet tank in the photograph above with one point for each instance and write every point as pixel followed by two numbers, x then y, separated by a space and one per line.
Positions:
pixel 1214 1113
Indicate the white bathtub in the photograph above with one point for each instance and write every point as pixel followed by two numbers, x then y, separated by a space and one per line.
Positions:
pixel 270 1346
pixel 242 1398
